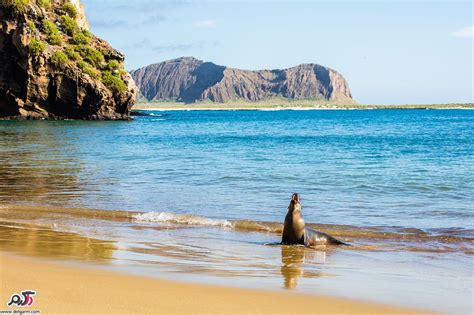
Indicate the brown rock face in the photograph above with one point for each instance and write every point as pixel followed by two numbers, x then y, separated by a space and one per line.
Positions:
pixel 61 77
pixel 190 80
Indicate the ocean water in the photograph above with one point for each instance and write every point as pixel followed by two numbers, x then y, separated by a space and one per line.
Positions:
pixel 203 195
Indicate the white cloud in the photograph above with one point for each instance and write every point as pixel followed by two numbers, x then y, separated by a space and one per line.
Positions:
pixel 206 24
pixel 465 32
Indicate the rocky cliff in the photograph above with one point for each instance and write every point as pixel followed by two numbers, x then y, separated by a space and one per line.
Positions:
pixel 190 80
pixel 52 67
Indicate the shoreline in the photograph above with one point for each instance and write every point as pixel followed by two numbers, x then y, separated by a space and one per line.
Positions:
pixel 93 258
pixel 276 107
pixel 101 291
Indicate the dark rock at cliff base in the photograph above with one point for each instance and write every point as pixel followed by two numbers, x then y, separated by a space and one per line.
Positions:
pixel 139 113
pixel 52 67
pixel 190 80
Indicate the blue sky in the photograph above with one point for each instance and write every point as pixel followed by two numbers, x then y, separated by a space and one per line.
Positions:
pixel 391 52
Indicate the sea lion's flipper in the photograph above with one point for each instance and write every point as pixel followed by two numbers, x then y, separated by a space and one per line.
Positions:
pixel 314 238
pixel 335 241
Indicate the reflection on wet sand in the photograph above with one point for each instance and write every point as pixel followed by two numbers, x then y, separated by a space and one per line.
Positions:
pixel 293 259
pixel 40 241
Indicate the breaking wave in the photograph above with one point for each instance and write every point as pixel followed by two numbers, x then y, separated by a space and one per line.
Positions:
pixel 188 219
pixel 409 238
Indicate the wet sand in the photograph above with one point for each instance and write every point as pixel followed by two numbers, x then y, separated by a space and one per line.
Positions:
pixel 76 289
pixel 239 254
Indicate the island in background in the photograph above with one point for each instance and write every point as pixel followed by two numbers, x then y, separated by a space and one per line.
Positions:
pixel 187 83
pixel 190 81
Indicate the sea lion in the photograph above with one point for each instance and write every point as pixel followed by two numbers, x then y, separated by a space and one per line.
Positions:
pixel 295 232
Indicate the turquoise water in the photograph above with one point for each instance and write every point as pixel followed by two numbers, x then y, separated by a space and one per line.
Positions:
pixel 410 168
pixel 210 189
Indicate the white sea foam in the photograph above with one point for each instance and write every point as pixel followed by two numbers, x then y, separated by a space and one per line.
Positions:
pixel 181 219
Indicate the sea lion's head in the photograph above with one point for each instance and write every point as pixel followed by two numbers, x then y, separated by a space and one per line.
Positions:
pixel 295 204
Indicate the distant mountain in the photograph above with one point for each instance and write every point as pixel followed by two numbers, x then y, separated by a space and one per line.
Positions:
pixel 190 80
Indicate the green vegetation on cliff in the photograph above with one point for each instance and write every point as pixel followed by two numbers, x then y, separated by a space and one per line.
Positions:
pixel 51 42
pixel 60 28
pixel 31 25
pixel 44 3
pixel 36 47
pixel 113 81
pixel 59 59
pixel 18 6
pixel 68 25
pixel 69 9
pixel 82 38
pixel 90 55
pixel 52 32
pixel 72 54
pixel 89 70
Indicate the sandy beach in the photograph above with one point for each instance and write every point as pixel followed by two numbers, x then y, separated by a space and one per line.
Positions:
pixel 62 289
